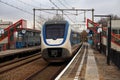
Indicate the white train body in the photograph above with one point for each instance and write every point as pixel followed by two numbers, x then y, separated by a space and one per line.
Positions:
pixel 56 41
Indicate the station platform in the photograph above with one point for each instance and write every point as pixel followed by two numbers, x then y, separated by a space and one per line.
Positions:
pixel 89 64
pixel 17 51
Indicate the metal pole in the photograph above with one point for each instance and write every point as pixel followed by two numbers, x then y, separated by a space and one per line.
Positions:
pixel 67 9
pixel 109 42
pixel 34 18
pixel 84 16
pixel 62 14
pixel 57 12
pixel 100 43
pixel 92 14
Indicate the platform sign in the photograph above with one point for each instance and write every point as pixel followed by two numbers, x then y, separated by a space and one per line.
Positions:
pixel 92 25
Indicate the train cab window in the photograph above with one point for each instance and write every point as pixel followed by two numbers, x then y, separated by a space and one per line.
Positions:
pixel 55 31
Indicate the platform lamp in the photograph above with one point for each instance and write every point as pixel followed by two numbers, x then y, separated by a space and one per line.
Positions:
pixel 23 31
pixel 108 37
pixel 1 31
pixel 99 31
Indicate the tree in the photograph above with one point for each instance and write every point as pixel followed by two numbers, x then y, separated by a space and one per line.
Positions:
pixel 57 17
pixel 84 35
pixel 104 21
pixel 115 17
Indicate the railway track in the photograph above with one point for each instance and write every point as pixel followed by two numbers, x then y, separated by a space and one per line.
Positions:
pixel 75 67
pixel 30 68
pixel 49 72
pixel 19 69
pixel 5 67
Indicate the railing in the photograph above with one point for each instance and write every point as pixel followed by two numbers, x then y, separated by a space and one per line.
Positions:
pixel 114 55
pixel 114 37
pixel 10 30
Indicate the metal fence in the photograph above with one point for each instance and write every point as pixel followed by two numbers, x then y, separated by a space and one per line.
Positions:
pixel 114 56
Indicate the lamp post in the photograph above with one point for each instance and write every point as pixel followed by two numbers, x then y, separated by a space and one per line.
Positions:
pixel 108 37
pixel 99 30
pixel 1 31
pixel 34 18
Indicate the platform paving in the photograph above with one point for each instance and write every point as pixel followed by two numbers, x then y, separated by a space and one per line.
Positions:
pixel 106 72
pixel 94 68
pixel 15 51
pixel 91 68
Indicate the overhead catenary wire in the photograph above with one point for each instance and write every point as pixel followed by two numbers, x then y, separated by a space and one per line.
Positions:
pixel 68 13
pixel 16 7
pixel 33 6
pixel 39 2
pixel 26 3
pixel 66 8
pixel 62 4
pixel 67 3
pixel 21 9
pixel 61 10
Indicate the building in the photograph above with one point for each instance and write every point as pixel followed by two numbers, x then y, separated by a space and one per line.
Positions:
pixel 115 26
pixel 17 35
pixel 5 24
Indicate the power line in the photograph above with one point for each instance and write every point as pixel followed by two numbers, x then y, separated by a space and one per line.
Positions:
pixel 54 4
pixel 65 7
pixel 26 3
pixel 61 10
pixel 67 3
pixel 62 4
pixel 20 9
pixel 33 6
pixel 39 3
pixel 16 7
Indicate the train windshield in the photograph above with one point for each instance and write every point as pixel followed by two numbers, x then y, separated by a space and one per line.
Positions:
pixel 55 31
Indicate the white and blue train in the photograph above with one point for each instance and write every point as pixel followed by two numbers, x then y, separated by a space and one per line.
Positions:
pixel 58 40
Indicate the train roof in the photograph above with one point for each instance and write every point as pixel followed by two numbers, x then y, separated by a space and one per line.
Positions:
pixel 56 22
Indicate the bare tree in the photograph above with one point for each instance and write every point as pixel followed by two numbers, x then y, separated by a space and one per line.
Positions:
pixel 104 21
pixel 57 17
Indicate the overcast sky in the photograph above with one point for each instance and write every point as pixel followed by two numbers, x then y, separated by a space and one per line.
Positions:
pixel 13 14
